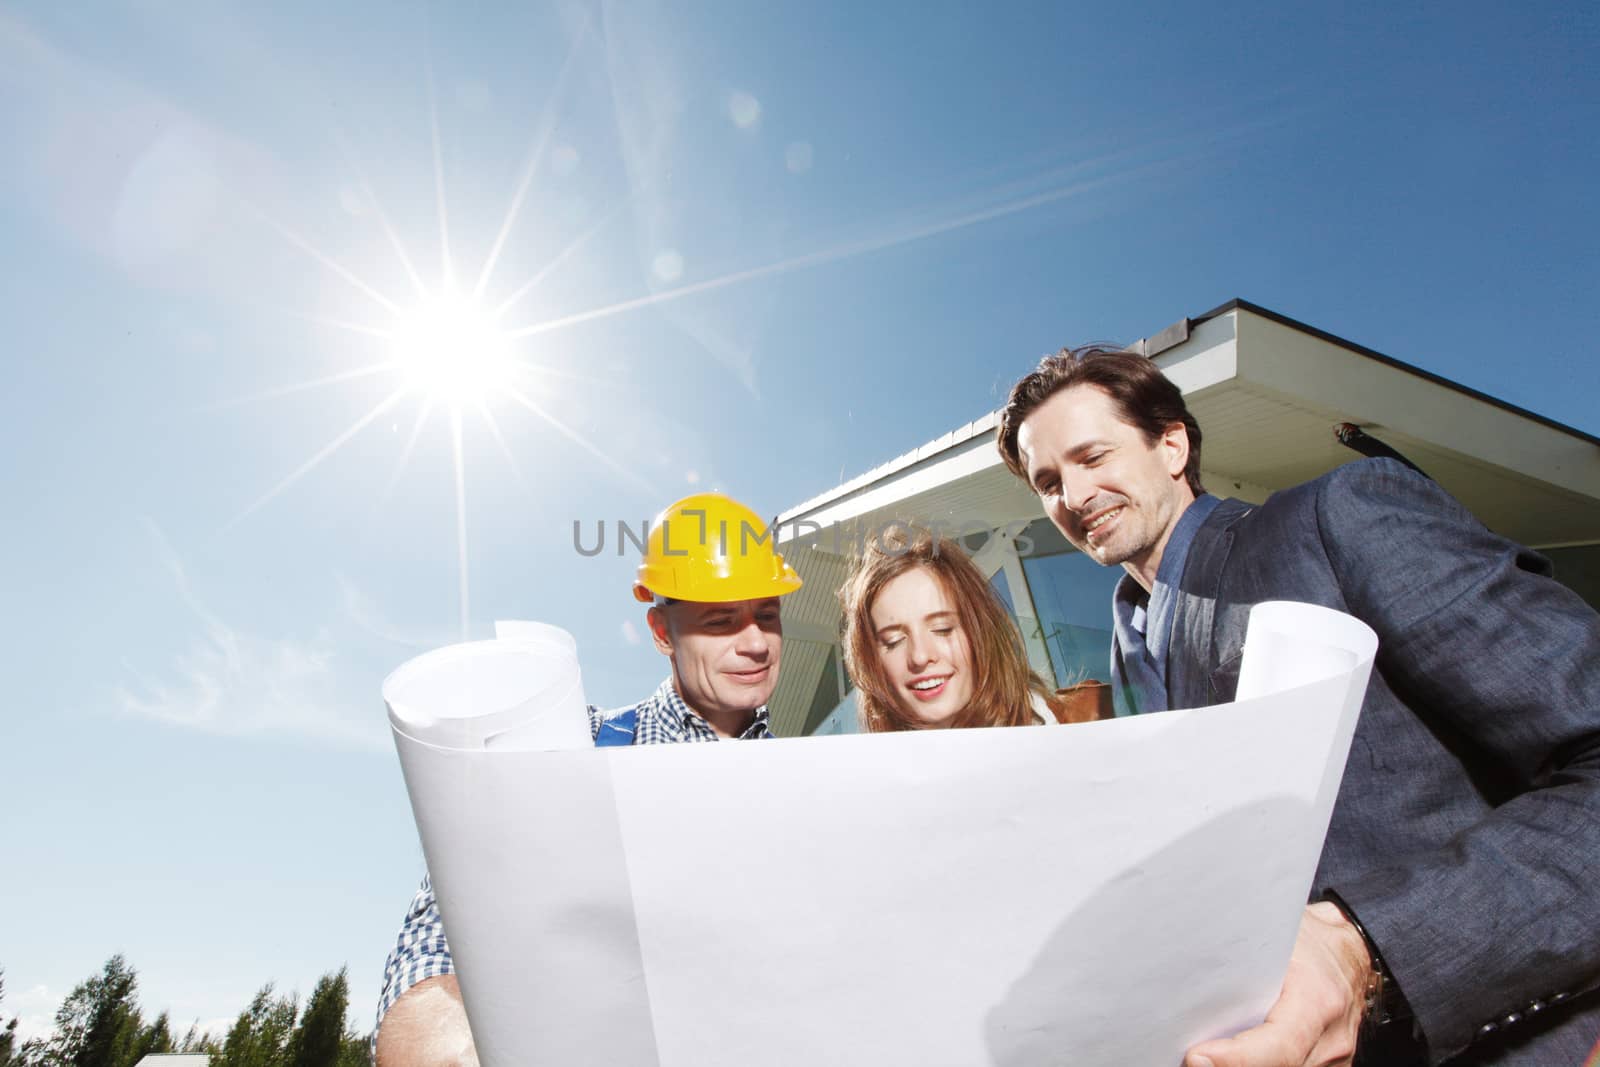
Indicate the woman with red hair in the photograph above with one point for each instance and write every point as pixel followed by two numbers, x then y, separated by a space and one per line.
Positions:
pixel 929 644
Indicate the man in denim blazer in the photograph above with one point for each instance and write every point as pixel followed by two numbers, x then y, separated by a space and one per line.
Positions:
pixel 1457 902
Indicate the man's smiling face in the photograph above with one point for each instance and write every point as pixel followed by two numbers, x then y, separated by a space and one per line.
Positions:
pixel 1110 491
pixel 724 656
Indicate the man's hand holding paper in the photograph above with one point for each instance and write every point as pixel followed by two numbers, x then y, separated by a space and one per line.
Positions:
pixel 1317 1018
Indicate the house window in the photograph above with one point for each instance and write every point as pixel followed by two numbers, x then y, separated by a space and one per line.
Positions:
pixel 833 712
pixel 1072 598
pixel 1003 587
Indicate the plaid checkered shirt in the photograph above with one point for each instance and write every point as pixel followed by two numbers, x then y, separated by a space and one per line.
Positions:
pixel 421 950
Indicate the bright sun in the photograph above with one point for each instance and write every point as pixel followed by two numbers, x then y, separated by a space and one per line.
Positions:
pixel 452 352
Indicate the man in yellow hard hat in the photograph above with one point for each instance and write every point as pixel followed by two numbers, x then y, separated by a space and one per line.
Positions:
pixel 712 577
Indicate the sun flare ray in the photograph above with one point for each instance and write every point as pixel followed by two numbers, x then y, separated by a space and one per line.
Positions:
pixel 302 387
pixel 582 442
pixel 311 464
pixel 411 443
pixel 445 266
pixel 561 257
pixel 346 325
pixel 328 261
pixel 541 141
pixel 547 371
pixel 848 250
pixel 461 518
pixel 389 232
pixel 499 439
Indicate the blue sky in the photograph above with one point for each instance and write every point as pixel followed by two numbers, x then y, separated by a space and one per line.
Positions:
pixel 830 233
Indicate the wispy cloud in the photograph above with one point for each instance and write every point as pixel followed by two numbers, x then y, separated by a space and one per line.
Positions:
pixel 36 1012
pixel 360 611
pixel 232 682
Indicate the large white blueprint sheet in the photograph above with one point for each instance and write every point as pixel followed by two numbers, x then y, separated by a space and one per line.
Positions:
pixel 1108 893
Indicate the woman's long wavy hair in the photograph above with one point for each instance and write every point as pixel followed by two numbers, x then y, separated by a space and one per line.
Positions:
pixel 1001 681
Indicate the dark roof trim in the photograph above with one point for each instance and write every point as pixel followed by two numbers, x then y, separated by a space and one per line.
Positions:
pixel 1361 350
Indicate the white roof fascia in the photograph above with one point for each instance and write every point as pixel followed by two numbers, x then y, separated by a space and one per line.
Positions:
pixel 956 455
pixel 1210 357
pixel 1289 363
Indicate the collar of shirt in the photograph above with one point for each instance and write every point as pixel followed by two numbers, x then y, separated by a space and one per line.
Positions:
pixel 1143 621
pixel 1158 634
pixel 664 718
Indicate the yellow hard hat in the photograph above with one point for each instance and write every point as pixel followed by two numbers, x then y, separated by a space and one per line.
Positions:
pixel 711 548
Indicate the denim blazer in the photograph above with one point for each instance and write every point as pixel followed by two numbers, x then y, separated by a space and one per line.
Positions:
pixel 1466 835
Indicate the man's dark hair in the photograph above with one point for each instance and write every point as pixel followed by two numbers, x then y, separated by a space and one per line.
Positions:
pixel 1145 399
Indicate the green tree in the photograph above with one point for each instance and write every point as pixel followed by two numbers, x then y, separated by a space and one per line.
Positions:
pixel 113 1021
pixel 97 1025
pixel 35 1053
pixel 321 1033
pixel 198 1041
pixel 260 1036
pixel 61 1048
pixel 157 1037
pixel 355 1050
pixel 10 1053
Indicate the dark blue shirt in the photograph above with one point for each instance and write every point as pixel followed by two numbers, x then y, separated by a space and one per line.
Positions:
pixel 1143 621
